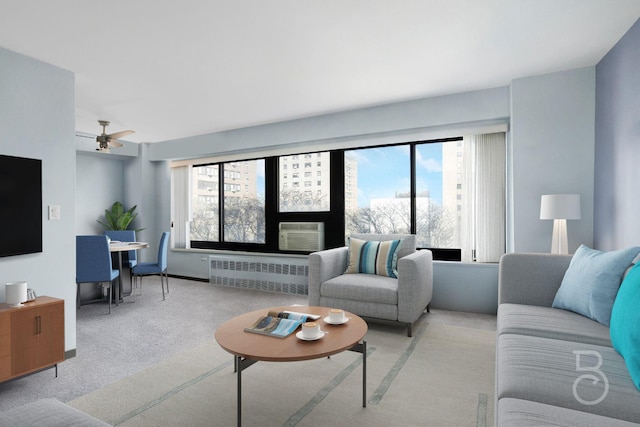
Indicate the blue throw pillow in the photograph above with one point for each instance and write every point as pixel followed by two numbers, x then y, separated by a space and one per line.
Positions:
pixel 373 257
pixel 625 323
pixel 591 282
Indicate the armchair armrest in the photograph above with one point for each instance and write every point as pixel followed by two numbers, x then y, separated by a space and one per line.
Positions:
pixel 415 284
pixel 531 279
pixel 325 265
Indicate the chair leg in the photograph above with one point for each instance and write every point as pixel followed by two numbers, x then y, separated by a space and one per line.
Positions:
pixel 77 296
pixel 110 294
pixel 133 285
pixel 162 285
pixel 166 277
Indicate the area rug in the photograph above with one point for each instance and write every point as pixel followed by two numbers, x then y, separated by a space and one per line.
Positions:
pixel 443 376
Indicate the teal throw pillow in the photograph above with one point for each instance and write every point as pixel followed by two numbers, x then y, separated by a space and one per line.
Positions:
pixel 373 257
pixel 625 323
pixel 591 282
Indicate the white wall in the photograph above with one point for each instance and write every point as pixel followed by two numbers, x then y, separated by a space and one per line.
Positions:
pixel 100 183
pixel 37 120
pixel 552 145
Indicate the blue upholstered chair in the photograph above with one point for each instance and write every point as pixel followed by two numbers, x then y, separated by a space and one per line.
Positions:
pixel 93 263
pixel 129 258
pixel 159 267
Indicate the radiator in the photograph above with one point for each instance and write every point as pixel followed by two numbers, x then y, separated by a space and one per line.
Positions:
pixel 264 273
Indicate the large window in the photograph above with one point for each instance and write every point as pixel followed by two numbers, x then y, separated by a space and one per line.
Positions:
pixel 244 214
pixel 450 193
pixel 299 191
pixel 204 204
pixel 377 190
pixel 243 194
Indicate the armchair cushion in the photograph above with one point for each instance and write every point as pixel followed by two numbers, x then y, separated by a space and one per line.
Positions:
pixel 361 287
pixel 373 257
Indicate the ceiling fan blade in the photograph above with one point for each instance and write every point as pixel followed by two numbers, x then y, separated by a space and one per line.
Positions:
pixel 120 134
pixel 114 143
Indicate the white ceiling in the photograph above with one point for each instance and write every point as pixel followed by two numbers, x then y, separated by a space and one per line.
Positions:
pixel 171 69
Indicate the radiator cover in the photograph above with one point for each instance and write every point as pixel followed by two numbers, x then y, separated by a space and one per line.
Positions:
pixel 264 273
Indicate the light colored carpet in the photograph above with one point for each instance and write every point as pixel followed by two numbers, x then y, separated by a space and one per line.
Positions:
pixel 443 376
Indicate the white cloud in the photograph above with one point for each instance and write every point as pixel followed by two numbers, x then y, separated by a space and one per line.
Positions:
pixel 430 164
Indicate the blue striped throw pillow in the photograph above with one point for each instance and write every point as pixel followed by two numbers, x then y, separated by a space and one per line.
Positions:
pixel 373 257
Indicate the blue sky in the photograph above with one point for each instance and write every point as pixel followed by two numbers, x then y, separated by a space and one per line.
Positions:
pixel 383 171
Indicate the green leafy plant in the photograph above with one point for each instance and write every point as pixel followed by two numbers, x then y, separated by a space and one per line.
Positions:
pixel 117 218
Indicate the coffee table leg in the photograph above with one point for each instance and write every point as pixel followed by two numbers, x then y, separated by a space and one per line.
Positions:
pixel 239 398
pixel 362 348
pixel 240 364
pixel 364 374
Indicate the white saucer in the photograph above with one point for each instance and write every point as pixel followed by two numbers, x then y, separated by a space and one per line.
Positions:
pixel 328 320
pixel 303 338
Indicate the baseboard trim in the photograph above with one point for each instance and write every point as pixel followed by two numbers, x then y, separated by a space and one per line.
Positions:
pixel 69 354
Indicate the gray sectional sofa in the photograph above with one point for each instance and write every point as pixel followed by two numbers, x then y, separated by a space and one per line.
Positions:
pixel 553 366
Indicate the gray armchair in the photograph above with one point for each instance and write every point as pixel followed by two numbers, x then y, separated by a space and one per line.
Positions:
pixel 370 296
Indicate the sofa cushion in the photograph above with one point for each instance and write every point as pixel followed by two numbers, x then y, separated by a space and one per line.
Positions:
pixel 547 371
pixel 373 257
pixel 590 285
pixel 524 413
pixel 547 322
pixel 362 287
pixel 625 323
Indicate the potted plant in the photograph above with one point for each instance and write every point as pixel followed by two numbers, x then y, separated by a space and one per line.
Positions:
pixel 117 218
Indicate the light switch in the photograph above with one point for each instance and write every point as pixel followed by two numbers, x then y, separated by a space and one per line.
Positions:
pixel 54 213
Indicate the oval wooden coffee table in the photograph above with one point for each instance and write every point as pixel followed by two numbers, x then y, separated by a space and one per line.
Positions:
pixel 249 348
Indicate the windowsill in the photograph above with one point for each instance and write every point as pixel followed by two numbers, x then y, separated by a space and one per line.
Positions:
pixel 470 264
pixel 285 255
pixel 243 253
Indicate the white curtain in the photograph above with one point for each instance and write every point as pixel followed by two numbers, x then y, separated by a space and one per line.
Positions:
pixel 483 211
pixel 180 206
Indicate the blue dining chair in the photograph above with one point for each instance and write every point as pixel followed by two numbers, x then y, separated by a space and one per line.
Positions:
pixel 93 263
pixel 159 267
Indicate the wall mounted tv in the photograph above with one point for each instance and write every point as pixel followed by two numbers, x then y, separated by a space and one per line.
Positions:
pixel 20 206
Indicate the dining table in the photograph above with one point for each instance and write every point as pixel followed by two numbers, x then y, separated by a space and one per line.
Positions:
pixel 120 247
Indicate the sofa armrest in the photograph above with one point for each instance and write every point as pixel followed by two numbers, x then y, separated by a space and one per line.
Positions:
pixel 415 284
pixel 531 279
pixel 325 265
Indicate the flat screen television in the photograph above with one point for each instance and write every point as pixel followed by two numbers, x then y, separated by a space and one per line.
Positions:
pixel 20 206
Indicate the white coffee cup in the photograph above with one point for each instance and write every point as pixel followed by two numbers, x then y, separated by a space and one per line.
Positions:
pixel 336 315
pixel 310 329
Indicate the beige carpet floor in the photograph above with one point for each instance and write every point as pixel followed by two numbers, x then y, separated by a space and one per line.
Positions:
pixel 443 376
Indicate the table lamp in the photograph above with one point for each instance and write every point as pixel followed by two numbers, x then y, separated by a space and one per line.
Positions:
pixel 560 208
pixel 15 293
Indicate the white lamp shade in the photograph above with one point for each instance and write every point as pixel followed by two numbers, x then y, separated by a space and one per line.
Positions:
pixel 560 206
pixel 16 293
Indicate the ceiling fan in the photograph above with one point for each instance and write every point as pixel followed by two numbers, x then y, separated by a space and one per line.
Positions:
pixel 106 141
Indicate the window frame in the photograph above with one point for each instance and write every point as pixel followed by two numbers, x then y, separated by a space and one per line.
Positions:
pixel 334 218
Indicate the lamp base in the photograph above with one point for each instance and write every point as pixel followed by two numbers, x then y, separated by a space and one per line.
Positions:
pixel 559 242
pixel 17 305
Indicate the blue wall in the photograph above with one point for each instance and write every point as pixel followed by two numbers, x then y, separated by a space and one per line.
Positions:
pixel 617 148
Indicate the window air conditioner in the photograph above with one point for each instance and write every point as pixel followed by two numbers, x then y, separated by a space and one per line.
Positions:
pixel 301 236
